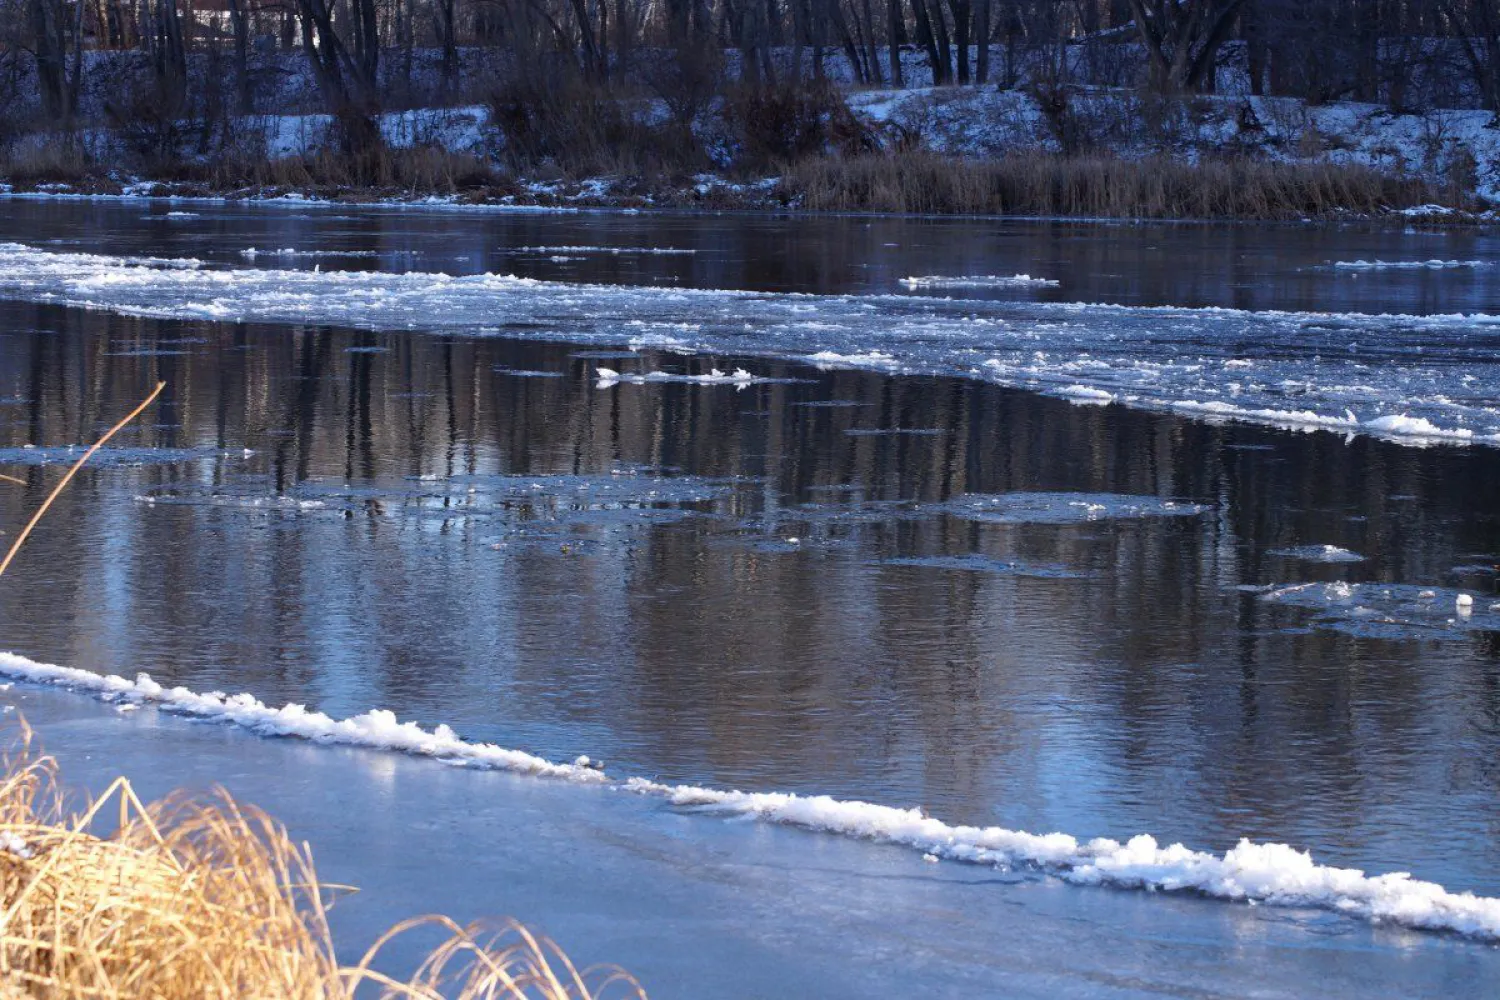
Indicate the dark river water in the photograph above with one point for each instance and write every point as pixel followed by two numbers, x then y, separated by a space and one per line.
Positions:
pixel 788 585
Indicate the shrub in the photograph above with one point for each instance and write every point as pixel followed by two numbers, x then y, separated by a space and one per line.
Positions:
pixel 778 124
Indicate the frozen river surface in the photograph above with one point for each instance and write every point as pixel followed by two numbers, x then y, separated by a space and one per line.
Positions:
pixel 817 507
pixel 699 907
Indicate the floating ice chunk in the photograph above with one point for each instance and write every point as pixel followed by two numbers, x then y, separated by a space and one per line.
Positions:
pixel 1319 553
pixel 1407 265
pixel 739 377
pixel 867 359
pixel 978 281
pixel 1396 611
pixel 616 251
pixel 1401 425
pixel 1187 360
pixel 1062 508
pixel 1085 395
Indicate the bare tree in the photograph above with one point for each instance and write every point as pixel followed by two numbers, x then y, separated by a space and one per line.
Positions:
pixel 1182 38
pixel 1476 23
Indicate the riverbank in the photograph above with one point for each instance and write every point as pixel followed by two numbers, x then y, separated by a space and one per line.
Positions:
pixel 927 151
pixel 919 186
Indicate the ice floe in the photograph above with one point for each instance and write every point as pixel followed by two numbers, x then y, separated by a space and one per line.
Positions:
pixel 1407 265
pixel 1318 553
pixel 978 281
pixel 1063 508
pixel 739 377
pixel 574 251
pixel 1387 610
pixel 1416 380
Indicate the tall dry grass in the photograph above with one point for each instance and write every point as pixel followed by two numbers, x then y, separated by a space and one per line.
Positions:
pixel 1098 186
pixel 206 899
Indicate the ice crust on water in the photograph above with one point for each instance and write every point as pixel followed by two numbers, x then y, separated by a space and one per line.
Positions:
pixel 119 456
pixel 1085 395
pixel 978 281
pixel 1388 610
pixel 739 377
pixel 1407 265
pixel 532 503
pixel 1416 380
pixel 972 563
pixel 1275 874
pixel 1318 553
pixel 251 253
pixel 1063 508
pixel 580 250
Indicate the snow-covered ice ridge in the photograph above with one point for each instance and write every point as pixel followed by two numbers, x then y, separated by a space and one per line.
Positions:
pixel 739 377
pixel 614 251
pixel 937 281
pixel 1411 379
pixel 1274 874
pixel 379 729
pixel 1407 265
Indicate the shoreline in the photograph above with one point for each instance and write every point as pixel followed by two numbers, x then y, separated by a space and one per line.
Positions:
pixel 724 197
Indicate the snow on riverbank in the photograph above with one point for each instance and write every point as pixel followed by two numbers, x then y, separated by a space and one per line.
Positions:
pixel 983 121
pixel 1273 874
pixel 1448 148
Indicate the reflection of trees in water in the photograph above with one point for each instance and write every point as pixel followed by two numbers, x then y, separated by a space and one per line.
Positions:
pixel 1150 695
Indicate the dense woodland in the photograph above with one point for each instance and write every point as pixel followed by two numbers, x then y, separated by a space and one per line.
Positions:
pixel 179 81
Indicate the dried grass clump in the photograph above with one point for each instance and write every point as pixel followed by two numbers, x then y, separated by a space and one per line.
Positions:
pixel 205 898
pixel 1102 186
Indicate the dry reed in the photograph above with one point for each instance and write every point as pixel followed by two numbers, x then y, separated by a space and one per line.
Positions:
pixel 1098 186
pixel 206 898
pixel 68 477
pixel 202 898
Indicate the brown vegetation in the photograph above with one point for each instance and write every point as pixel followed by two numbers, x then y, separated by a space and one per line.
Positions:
pixel 1099 186
pixel 196 898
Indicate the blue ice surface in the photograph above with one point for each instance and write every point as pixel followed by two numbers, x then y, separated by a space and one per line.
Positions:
pixel 697 906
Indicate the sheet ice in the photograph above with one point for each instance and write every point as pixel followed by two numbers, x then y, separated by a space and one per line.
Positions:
pixel 1275 874
pixel 1413 379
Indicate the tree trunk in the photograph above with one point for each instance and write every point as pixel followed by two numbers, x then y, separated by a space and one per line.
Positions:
pixel 982 40
pixel 894 23
pixel 50 47
pixel 927 38
pixel 962 21
pixel 239 23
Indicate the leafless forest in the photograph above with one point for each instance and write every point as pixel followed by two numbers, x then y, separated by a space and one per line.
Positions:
pixel 191 90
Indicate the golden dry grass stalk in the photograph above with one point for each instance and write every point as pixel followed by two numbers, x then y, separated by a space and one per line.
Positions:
pixel 206 898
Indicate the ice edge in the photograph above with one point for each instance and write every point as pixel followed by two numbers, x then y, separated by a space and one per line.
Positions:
pixel 1273 874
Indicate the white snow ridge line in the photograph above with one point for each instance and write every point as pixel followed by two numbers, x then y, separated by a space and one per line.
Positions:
pixel 377 729
pixel 1274 874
